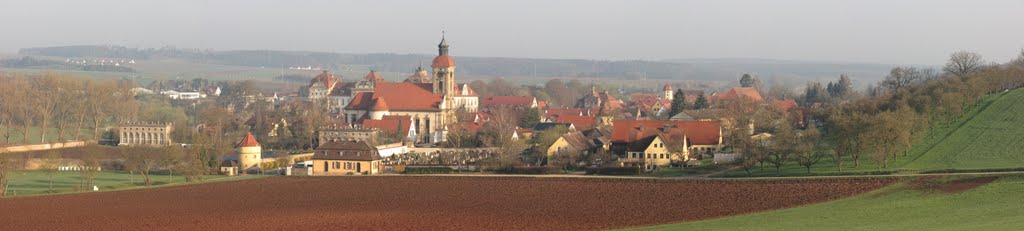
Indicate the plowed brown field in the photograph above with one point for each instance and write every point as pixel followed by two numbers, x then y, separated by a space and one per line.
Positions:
pixel 419 203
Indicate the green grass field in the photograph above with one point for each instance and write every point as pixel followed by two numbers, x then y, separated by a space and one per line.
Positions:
pixel 995 206
pixel 26 183
pixel 989 136
pixel 994 138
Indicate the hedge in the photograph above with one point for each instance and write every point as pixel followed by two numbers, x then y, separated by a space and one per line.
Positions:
pixel 974 170
pixel 532 170
pixel 621 171
pixel 427 170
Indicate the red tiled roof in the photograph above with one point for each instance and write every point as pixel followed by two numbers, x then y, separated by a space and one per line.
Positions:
pixel 580 122
pixel 443 61
pixel 610 101
pixel 379 105
pixel 374 77
pixel 390 127
pixel 420 76
pixel 470 126
pixel 643 96
pixel 460 87
pixel 785 104
pixel 508 101
pixel 748 92
pixel 649 104
pixel 484 116
pixel 404 96
pixel 542 104
pixel 346 150
pixel 555 113
pixel 667 87
pixel 699 132
pixel 248 141
pixel 325 78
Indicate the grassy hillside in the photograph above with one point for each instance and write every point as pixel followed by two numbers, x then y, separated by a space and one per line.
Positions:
pixel 995 206
pixel 988 136
pixel 994 138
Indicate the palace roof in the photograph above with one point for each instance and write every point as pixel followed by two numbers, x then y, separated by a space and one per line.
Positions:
pixel 403 96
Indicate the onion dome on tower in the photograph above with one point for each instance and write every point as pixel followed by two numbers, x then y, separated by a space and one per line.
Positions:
pixel 442 59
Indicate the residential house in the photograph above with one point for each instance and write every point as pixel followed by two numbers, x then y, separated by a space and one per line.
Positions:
pixel 696 137
pixel 574 143
pixel 345 158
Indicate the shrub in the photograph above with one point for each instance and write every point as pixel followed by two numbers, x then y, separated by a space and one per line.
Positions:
pixel 973 170
pixel 620 171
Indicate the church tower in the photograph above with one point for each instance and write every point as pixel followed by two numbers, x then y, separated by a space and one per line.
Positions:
pixel 667 91
pixel 444 71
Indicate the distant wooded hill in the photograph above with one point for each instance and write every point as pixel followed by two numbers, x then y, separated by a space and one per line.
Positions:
pixel 681 69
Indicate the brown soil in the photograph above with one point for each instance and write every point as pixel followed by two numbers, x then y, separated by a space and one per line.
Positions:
pixel 935 184
pixel 419 203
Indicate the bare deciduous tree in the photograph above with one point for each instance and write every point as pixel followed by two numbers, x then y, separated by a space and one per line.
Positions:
pixel 805 148
pixel 498 134
pixel 89 167
pixel 962 63
pixel 142 163
pixel 7 165
pixel 50 162
pixel 900 78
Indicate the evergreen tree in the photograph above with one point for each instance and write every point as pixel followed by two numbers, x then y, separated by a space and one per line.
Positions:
pixel 701 102
pixel 844 87
pixel 746 80
pixel 678 103
pixel 529 118
pixel 815 93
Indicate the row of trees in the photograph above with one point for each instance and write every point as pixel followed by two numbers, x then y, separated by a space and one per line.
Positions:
pixel 41 102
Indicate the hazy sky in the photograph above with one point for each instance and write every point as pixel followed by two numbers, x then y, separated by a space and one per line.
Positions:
pixel 883 31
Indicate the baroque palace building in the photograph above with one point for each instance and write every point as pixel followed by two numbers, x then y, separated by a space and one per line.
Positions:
pixel 144 134
pixel 432 104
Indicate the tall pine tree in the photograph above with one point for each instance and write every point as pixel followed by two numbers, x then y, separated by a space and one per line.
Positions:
pixel 701 102
pixel 678 103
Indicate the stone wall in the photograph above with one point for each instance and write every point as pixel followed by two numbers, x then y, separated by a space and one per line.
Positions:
pixel 37 147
